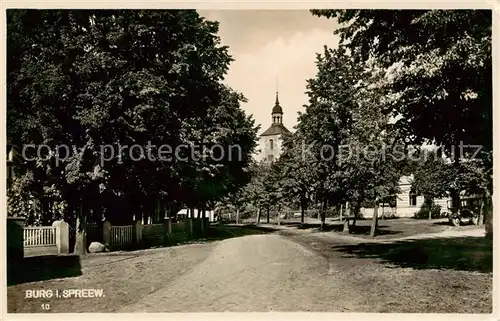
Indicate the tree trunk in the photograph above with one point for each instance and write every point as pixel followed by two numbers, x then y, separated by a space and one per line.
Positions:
pixel 302 213
pixel 279 214
pixel 355 212
pixel 157 211
pixel 258 215
pixel 348 214
pixel 237 215
pixel 81 231
pixel 373 229
pixel 161 214
pixel 322 214
pixel 488 216
pixel 202 223
pixel 430 209
pixel 346 219
pixel 383 208
pixel 481 217
pixel 455 201
pixel 268 215
pixel 455 193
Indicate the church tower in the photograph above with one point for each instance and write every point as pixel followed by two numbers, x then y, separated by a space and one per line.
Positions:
pixel 277 112
pixel 271 140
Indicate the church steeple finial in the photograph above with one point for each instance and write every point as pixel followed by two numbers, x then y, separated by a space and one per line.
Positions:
pixel 277 112
pixel 277 91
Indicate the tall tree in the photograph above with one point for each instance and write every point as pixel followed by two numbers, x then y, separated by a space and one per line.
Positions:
pixel 298 177
pixel 327 122
pixel 95 80
pixel 439 72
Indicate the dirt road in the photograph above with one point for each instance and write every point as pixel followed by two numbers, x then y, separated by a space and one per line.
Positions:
pixel 252 273
pixel 318 272
pixel 274 273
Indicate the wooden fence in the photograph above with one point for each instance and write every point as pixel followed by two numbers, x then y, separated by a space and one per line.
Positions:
pixel 143 236
pixel 39 236
pixel 122 236
pixel 54 240
pixel 46 240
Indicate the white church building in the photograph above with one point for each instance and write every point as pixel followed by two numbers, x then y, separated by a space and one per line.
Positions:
pixel 271 140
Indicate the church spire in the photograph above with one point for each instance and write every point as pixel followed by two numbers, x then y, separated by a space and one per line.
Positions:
pixel 277 91
pixel 277 112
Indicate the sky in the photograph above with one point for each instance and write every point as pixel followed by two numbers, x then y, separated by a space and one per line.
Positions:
pixel 272 48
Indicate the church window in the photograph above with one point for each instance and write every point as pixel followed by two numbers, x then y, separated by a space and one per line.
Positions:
pixel 271 143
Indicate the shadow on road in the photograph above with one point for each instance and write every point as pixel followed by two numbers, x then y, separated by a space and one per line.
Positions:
pixel 354 230
pixel 458 253
pixel 445 223
pixel 41 268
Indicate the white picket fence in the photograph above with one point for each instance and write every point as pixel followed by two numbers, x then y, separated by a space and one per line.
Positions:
pixel 122 235
pixel 39 236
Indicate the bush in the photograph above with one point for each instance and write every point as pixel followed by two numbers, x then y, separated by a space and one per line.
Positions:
pixel 423 213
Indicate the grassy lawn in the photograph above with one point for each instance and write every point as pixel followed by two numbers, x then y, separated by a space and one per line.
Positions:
pixel 436 275
pixel 396 228
pixel 387 228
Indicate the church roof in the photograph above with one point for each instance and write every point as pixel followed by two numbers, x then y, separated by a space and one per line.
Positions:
pixel 276 129
pixel 277 108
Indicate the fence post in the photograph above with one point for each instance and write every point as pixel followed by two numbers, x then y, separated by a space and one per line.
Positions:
pixel 62 237
pixel 106 233
pixel 202 226
pixel 137 232
pixel 15 239
pixel 190 227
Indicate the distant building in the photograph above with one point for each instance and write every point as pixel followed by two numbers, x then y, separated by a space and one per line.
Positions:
pixel 271 140
pixel 406 203
pixel 184 213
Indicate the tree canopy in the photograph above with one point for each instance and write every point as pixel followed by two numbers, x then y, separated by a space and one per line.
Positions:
pixel 95 80
pixel 439 66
